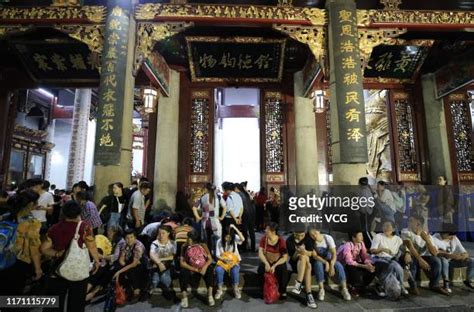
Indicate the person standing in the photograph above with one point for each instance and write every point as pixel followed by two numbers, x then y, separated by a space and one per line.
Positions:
pixel 207 211
pixel 136 207
pixel 445 201
pixel 260 201
pixel 248 216
pixel 89 211
pixel 57 242
pixel 234 204
pixel 45 205
pixel 26 247
pixel 112 205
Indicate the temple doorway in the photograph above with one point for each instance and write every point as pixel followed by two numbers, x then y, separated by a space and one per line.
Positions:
pixel 237 136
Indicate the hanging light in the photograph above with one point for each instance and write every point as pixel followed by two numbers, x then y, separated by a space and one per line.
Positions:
pixel 318 101
pixel 150 99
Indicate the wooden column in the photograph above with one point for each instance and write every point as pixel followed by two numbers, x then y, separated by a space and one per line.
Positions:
pixel 7 121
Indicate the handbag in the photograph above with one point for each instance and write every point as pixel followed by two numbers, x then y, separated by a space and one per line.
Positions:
pixel 270 288
pixel 76 264
pixel 120 295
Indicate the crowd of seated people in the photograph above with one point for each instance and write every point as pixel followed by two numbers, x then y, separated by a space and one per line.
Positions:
pixel 143 253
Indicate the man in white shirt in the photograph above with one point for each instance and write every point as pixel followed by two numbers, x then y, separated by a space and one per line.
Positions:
pixel 423 254
pixel 45 204
pixel 234 204
pixel 137 208
pixel 451 249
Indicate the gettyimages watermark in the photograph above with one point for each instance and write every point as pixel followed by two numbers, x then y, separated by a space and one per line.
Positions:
pixel 366 208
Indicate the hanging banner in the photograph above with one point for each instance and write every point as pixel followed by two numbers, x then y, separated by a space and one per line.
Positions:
pixel 112 88
pixel 348 79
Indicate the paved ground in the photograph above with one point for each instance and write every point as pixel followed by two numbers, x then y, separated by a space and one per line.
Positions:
pixel 461 301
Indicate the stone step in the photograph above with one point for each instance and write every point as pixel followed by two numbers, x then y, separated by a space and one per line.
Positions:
pixel 250 281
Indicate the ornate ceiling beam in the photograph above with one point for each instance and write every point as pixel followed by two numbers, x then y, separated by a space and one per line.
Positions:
pixel 91 35
pixel 313 37
pixel 53 15
pixel 148 34
pixel 370 38
pixel 415 19
pixel 231 13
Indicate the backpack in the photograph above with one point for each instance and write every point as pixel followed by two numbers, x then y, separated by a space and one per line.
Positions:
pixel 76 264
pixel 270 288
pixel 196 256
pixel 392 287
pixel 7 244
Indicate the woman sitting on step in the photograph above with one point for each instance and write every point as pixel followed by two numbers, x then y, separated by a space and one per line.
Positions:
pixel 195 260
pixel 273 255
pixel 299 252
pixel 357 263
pixel 229 259
pixel 325 262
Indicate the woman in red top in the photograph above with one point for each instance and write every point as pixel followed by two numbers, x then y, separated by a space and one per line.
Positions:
pixel 273 255
pixel 56 244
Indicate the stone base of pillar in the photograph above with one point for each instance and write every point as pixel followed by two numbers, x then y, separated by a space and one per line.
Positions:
pixel 348 174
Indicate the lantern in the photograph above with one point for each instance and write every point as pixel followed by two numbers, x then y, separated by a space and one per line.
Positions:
pixel 150 99
pixel 318 104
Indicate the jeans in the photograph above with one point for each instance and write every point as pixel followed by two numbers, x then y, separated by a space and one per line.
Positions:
pixel 444 268
pixel 383 267
pixel 318 268
pixel 469 263
pixel 234 275
pixel 434 273
pixel 114 219
pixel 163 278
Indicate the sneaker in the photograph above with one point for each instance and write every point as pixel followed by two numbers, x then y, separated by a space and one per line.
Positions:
pixel 310 301
pixel 321 294
pixel 404 291
pixel 237 293
pixel 380 291
pixel 469 284
pixel 283 296
pixel 298 288
pixel 211 301
pixel 447 287
pixel 184 303
pixel 345 294
pixel 219 294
